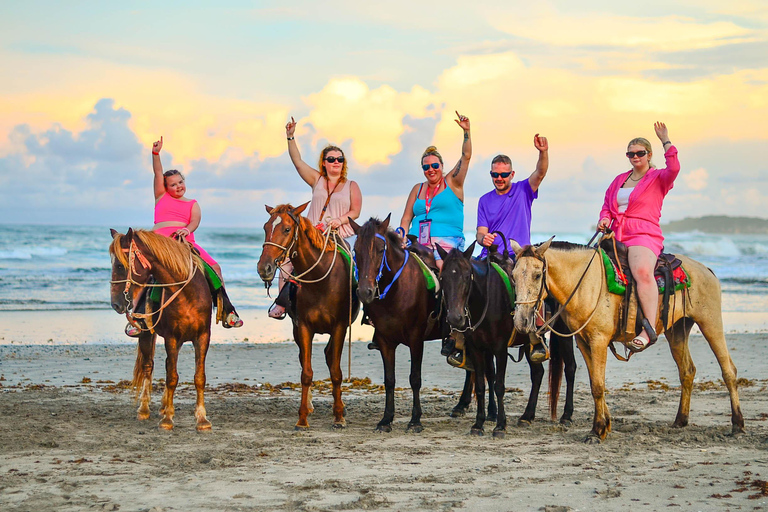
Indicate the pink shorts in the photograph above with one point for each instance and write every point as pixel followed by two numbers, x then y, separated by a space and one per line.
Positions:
pixel 170 230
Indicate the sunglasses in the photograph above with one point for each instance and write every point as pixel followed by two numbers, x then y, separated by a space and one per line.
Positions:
pixel 426 167
pixel 334 159
pixel 495 175
pixel 640 154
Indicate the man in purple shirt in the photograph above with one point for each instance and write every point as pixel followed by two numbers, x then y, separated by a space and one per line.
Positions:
pixel 507 209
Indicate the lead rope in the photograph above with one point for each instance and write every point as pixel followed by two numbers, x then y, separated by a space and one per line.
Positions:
pixel 351 301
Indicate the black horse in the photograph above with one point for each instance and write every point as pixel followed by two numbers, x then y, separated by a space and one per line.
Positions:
pixel 479 308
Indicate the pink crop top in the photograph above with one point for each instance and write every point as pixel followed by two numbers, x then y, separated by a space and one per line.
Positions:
pixel 168 209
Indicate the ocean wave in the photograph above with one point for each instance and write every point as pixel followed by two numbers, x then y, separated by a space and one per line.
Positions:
pixel 27 253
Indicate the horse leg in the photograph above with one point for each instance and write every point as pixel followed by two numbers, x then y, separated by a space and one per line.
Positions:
pixel 537 375
pixel 500 387
pixel 490 378
pixel 417 354
pixel 388 358
pixel 171 381
pixel 333 352
pixel 569 358
pixel 466 396
pixel 303 337
pixel 142 373
pixel 595 353
pixel 677 337
pixel 711 326
pixel 201 350
pixel 478 360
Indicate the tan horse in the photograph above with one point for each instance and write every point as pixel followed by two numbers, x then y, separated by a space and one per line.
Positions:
pixel 183 314
pixel 556 268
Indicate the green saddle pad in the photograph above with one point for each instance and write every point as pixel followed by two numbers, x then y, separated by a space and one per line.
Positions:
pixel 507 284
pixel 617 286
pixel 429 276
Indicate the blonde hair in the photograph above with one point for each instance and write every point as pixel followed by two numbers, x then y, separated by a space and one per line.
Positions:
pixel 431 150
pixel 642 141
pixel 321 163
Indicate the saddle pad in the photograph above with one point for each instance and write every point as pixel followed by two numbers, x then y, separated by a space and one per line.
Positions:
pixel 433 284
pixel 507 284
pixel 348 259
pixel 617 281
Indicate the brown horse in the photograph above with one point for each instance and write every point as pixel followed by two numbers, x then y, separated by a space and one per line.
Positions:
pixel 323 299
pixel 556 268
pixel 182 314
pixel 393 288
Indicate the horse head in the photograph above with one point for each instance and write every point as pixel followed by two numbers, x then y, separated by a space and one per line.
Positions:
pixel 373 239
pixel 456 281
pixel 281 231
pixel 129 266
pixel 530 279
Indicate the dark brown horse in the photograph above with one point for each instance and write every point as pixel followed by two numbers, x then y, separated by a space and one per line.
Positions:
pixel 479 308
pixel 183 312
pixel 394 290
pixel 323 299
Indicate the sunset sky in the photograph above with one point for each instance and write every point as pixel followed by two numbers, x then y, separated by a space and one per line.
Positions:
pixel 85 87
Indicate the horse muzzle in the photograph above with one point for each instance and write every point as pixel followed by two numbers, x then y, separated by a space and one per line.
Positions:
pixel 525 318
pixel 457 319
pixel 267 271
pixel 366 293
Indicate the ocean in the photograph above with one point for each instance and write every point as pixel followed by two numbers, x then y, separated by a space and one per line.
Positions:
pixel 67 268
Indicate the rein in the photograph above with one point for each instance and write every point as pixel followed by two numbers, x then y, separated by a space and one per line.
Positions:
pixel 470 327
pixel 384 263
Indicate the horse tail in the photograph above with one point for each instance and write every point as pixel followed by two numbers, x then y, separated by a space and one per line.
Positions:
pixel 556 366
pixel 138 367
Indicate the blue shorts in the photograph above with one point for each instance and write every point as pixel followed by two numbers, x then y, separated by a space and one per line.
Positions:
pixel 447 243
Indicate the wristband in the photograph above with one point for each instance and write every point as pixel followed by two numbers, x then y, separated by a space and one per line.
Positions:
pixel 665 143
pixel 155 153
pixel 290 138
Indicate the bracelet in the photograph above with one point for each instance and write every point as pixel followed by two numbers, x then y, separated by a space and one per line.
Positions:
pixel 158 154
pixel 665 143
pixel 290 138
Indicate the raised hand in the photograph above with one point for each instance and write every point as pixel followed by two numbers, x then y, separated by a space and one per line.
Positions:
pixel 462 121
pixel 540 143
pixel 290 128
pixel 157 145
pixel 661 131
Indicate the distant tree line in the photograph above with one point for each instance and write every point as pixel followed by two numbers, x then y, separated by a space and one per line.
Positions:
pixel 719 224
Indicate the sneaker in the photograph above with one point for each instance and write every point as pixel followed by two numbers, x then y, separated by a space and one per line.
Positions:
pixel 232 320
pixel 132 331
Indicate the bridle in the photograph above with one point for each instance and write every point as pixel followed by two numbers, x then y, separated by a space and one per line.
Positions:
pixel 384 263
pixel 134 254
pixel 468 319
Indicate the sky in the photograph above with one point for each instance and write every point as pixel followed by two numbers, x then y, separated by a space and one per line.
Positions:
pixel 86 87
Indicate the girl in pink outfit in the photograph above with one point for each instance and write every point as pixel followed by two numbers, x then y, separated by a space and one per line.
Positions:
pixel 632 209
pixel 178 217
pixel 335 199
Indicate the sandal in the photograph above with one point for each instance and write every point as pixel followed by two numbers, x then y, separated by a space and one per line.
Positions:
pixel 132 331
pixel 232 320
pixel 638 344
pixel 277 312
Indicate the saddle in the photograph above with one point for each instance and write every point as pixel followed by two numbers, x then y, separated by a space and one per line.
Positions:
pixel 664 273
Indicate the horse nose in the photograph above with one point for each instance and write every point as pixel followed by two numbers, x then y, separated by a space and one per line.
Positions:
pixel 523 320
pixel 267 272
pixel 119 307
pixel 365 293
pixel 456 320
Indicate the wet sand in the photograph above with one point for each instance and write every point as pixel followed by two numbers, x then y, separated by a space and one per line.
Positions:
pixel 71 441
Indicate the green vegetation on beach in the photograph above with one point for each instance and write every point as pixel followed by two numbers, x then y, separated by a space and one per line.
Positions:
pixel 719 224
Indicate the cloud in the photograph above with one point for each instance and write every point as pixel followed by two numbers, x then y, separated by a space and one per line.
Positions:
pixel 697 179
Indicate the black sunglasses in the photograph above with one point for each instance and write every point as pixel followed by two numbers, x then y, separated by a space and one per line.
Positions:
pixel 333 159
pixel 641 154
pixel 495 175
pixel 426 167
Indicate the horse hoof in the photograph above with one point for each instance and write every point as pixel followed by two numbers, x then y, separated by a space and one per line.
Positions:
pixel 301 428
pixel 141 416
pixel 523 423
pixel 592 439
pixel 476 432
pixel 166 424
pixel 567 422
pixel 338 425
pixel 737 430
pixel 384 428
pixel 499 434
pixel 203 426
pixel 415 428
pixel 458 413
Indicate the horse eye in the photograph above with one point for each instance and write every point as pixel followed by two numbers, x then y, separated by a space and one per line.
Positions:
pixel 286 230
pixel 537 275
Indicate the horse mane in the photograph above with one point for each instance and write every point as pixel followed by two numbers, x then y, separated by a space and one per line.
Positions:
pixel 560 246
pixel 314 235
pixel 170 253
pixel 371 228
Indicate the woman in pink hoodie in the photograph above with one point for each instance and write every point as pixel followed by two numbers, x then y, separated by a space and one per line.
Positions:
pixel 632 209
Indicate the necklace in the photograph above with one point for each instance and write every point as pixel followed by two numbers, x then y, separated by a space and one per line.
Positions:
pixel 633 179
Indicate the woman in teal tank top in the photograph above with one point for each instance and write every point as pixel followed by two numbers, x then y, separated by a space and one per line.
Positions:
pixel 434 212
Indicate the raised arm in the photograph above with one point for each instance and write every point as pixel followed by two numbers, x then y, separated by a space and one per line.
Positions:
pixel 672 168
pixel 309 174
pixel 542 165
pixel 157 168
pixel 458 174
pixel 355 205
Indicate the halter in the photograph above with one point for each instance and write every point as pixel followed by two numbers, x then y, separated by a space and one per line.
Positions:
pixel 385 263
pixel 467 316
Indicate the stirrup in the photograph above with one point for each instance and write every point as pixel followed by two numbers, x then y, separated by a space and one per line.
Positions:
pixel 539 352
pixel 459 359
pixel 232 320
pixel 637 344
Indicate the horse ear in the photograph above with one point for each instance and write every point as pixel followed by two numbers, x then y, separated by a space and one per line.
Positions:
pixel 113 232
pixel 355 225
pixel 540 250
pixel 515 246
pixel 442 252
pixel 269 209
pixel 470 250
pixel 385 224
pixel 129 234
pixel 299 209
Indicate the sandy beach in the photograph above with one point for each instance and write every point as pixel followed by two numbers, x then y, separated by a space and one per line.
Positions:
pixel 71 441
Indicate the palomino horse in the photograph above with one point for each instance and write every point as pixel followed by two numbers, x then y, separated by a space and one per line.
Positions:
pixel 393 287
pixel 479 307
pixel 556 268
pixel 183 312
pixel 324 302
